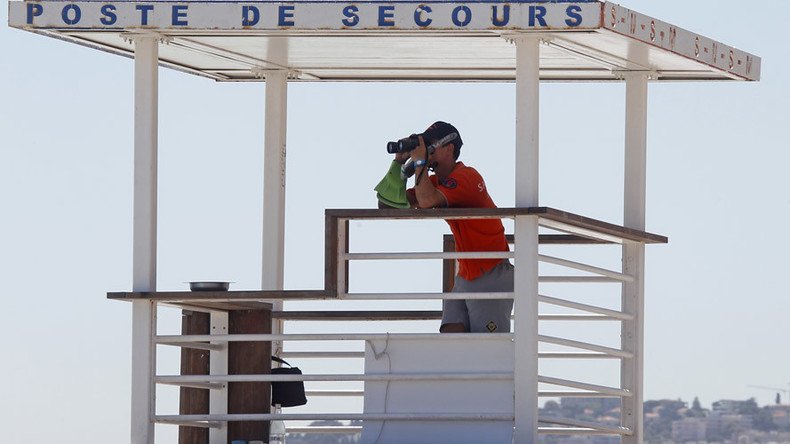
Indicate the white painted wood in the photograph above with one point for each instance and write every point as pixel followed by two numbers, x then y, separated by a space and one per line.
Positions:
pixel 573 431
pixel 430 255
pixel 360 355
pixel 384 36
pixel 525 306
pixel 525 312
pixel 635 175
pixel 428 378
pixel 146 50
pixel 195 345
pixel 614 314
pixel 641 28
pixel 146 91
pixel 577 317
pixel 326 429
pixel 574 394
pixel 584 346
pixel 351 430
pixel 198 385
pixel 274 167
pixel 466 377
pixel 632 338
pixel 584 386
pixel 335 337
pixel 527 120
pixel 417 417
pixel 274 180
pixel 218 365
pixel 322 354
pixel 201 424
pixel 578 279
pixel 586 424
pixel 584 267
pixel 343 393
pixel 632 333
pixel 143 371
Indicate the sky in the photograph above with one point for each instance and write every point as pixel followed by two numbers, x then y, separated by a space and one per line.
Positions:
pixel 717 303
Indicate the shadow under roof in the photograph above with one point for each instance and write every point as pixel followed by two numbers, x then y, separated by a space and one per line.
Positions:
pixel 392 41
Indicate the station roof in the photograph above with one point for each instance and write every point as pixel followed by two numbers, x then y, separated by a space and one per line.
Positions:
pixel 391 41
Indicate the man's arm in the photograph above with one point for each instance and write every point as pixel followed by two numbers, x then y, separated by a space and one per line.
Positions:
pixel 426 195
pixel 401 158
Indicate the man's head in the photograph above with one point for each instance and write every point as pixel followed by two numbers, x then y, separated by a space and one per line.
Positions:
pixel 439 130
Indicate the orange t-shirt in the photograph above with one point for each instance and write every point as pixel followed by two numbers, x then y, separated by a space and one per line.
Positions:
pixel 465 188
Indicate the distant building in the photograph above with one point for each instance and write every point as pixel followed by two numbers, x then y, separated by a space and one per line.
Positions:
pixel 780 415
pixel 726 426
pixel 744 439
pixel 598 404
pixel 729 406
pixel 689 430
pixel 758 437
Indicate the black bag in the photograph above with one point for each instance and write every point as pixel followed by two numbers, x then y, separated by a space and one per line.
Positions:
pixel 287 393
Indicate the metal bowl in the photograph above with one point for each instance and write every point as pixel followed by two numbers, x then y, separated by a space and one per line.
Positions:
pixel 209 286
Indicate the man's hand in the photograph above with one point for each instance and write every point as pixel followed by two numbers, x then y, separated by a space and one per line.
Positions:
pixel 419 153
pixel 426 194
pixel 401 158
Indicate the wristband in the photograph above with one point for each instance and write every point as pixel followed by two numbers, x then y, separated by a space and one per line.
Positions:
pixel 419 163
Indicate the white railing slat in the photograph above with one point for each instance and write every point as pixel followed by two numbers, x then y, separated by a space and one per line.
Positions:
pixel 585 307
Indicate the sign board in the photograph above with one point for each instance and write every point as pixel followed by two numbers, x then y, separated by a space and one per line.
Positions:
pixel 324 15
pixel 695 47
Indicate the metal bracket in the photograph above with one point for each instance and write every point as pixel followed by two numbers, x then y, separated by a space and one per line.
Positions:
pixel 261 73
pixel 623 75
pixel 131 37
pixel 514 37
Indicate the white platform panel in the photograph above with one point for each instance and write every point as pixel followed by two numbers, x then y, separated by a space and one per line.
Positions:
pixel 439 396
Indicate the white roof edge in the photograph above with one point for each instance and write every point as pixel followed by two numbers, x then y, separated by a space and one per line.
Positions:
pixel 60 18
pixel 679 41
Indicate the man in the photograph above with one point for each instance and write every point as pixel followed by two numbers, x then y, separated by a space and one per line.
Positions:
pixel 457 185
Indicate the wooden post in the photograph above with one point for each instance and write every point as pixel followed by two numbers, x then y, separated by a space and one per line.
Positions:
pixel 249 358
pixel 194 401
pixel 448 265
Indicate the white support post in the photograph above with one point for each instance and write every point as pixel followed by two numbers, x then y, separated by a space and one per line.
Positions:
pixel 635 151
pixel 632 335
pixel 146 92
pixel 526 240
pixel 143 370
pixel 527 120
pixel 274 189
pixel 146 59
pixel 218 365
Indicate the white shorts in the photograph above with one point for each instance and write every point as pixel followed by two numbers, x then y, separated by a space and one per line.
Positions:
pixel 487 315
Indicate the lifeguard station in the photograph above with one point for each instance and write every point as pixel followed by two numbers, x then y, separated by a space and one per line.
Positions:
pixel 426 390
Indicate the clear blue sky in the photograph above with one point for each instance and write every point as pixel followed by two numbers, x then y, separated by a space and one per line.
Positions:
pixel 717 295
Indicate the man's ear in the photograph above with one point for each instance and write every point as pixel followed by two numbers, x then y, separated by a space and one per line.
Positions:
pixel 459 152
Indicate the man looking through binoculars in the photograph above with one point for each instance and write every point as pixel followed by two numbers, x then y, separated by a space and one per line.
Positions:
pixel 456 185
